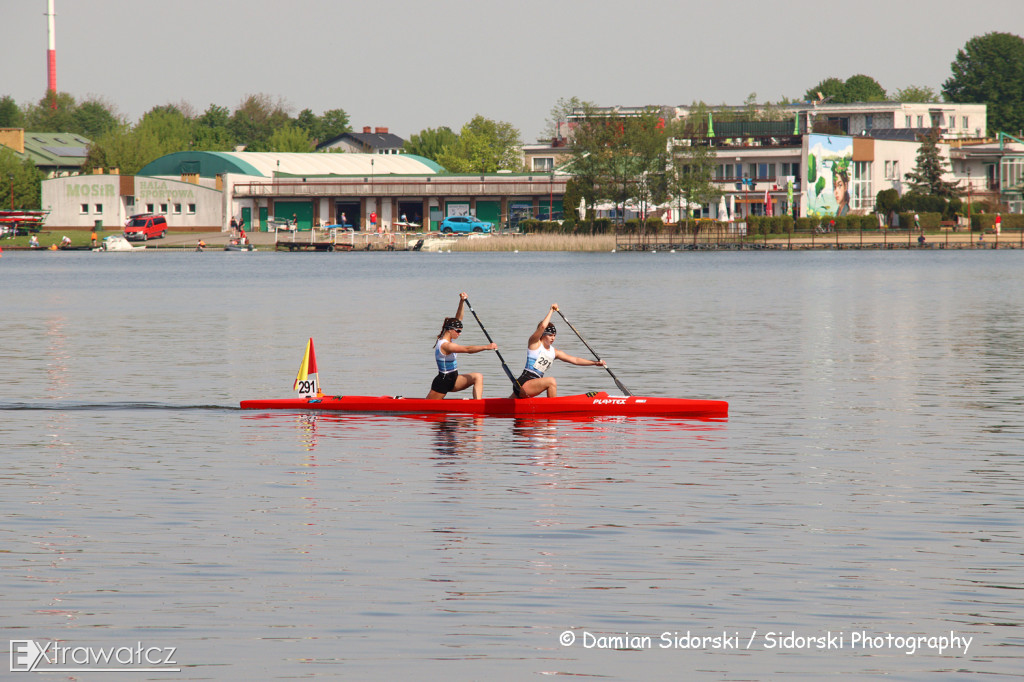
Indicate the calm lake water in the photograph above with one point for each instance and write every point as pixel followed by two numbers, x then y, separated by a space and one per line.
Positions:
pixel 858 515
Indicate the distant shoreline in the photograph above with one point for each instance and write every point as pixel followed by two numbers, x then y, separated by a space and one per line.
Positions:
pixel 606 243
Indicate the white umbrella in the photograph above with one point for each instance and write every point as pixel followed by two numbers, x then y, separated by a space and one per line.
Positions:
pixel 732 206
pixel 723 212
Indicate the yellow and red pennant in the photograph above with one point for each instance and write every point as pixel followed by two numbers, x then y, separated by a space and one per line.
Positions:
pixel 307 383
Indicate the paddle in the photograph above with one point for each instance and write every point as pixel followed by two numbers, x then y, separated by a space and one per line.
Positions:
pixel 508 372
pixel 617 382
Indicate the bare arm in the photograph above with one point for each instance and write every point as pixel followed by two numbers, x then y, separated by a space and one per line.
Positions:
pixel 462 303
pixel 573 360
pixel 539 332
pixel 456 348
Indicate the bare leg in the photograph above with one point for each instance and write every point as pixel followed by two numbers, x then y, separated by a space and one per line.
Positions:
pixel 474 379
pixel 537 386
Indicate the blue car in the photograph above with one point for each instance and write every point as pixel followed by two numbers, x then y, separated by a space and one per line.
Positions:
pixel 464 223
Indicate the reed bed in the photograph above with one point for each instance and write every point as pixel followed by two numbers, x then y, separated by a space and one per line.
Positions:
pixel 533 242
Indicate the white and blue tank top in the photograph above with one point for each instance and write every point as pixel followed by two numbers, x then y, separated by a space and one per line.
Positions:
pixel 539 361
pixel 446 362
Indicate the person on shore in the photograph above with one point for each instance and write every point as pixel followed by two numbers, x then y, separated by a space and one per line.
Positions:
pixel 448 379
pixel 33 242
pixel 94 239
pixel 540 354
pixel 200 245
pixel 234 227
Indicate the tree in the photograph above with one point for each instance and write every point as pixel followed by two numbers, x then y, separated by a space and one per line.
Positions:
pixel 828 88
pixel 27 181
pixel 333 123
pixel 255 120
pixel 483 146
pixel 93 117
pixel 692 170
pixel 289 138
pixel 430 142
pixel 210 131
pixel 861 88
pixel 990 70
pixel 857 88
pixel 917 93
pixel 43 117
pixel 10 113
pixel 560 113
pixel 126 148
pixel 926 178
pixel 621 158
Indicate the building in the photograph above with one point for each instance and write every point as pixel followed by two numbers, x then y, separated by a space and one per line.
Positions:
pixel 991 171
pixel 375 141
pixel 55 154
pixel 202 191
pixel 816 158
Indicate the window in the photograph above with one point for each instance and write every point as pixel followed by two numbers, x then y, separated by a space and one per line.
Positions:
pixel 765 171
pixel 862 196
pixel 791 169
pixel 906 122
pixel 920 121
pixel 869 121
pixel 84 209
pixel 543 164
pixel 129 201
pixel 965 123
pixel 888 170
pixel 895 170
pixel 163 208
pixel 191 209
pixel 177 209
pixel 149 208
pixel 98 209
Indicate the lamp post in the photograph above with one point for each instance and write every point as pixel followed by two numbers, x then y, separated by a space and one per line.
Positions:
pixel 968 201
pixel 12 190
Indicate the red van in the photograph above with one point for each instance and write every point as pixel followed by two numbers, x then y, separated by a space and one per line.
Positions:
pixel 145 226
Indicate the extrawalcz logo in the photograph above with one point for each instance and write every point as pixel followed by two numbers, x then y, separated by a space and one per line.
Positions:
pixel 27 655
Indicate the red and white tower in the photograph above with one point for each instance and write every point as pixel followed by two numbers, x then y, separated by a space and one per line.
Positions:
pixel 51 54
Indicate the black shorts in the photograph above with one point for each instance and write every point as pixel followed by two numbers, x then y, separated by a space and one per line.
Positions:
pixel 444 383
pixel 523 378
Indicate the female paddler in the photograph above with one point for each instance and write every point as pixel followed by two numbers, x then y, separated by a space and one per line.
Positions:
pixel 540 354
pixel 448 378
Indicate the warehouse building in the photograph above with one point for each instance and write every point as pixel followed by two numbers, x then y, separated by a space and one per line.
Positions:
pixel 203 191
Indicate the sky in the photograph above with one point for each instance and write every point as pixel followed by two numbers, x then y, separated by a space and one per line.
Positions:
pixel 409 65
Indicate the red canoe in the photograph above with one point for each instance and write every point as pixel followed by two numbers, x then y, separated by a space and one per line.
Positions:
pixel 596 404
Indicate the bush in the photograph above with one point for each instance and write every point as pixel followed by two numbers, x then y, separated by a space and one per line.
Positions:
pixel 602 226
pixel 922 203
pixel 654 225
pixel 887 200
pixel 807 224
pixel 929 221
pixel 631 226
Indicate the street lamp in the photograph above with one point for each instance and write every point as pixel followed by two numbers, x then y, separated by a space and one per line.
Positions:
pixel 12 191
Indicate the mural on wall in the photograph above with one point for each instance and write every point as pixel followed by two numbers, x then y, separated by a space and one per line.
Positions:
pixel 829 163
